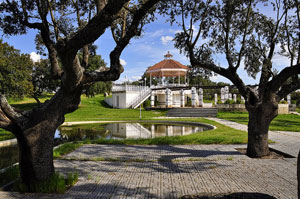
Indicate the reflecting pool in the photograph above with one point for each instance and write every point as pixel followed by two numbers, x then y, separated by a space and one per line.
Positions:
pixel 126 131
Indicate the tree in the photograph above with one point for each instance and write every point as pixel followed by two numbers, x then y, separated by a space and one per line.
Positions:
pixel 62 39
pixel 97 63
pixel 42 79
pixel 239 32
pixel 15 70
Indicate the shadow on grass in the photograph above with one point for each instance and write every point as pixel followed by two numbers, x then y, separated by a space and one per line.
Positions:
pixel 24 107
pixel 104 105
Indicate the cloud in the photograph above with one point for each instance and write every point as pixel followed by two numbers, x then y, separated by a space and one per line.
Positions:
pixel 123 62
pixel 166 39
pixel 35 57
pixel 157 33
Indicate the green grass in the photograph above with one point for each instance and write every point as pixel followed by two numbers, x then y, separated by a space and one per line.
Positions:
pixel 57 183
pixel 288 122
pixel 95 109
pixel 5 135
pixel 66 148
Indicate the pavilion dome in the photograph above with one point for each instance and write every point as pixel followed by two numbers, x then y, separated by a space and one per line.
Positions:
pixel 167 68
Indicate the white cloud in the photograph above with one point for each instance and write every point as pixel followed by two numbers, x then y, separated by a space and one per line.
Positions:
pixel 35 57
pixel 123 62
pixel 166 39
pixel 157 33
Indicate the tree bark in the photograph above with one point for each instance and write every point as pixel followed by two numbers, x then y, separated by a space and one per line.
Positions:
pixel 36 151
pixel 298 174
pixel 260 117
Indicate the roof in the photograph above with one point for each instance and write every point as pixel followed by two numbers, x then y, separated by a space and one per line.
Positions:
pixel 167 67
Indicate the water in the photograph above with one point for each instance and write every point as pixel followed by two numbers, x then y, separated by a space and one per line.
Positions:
pixel 9 155
pixel 124 131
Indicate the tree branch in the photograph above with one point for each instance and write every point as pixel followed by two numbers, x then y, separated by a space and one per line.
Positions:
pixel 115 67
pixel 244 36
pixel 282 77
pixel 93 30
pixel 287 89
pixel 8 116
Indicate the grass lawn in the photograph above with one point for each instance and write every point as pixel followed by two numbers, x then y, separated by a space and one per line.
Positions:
pixel 288 122
pixel 95 109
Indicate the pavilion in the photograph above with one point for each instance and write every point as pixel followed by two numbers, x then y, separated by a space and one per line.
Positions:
pixel 167 68
pixel 165 94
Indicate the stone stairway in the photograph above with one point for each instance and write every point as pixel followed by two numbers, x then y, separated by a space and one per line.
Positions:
pixel 192 112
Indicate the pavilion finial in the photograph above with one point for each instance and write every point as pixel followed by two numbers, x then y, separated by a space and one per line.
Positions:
pixel 168 55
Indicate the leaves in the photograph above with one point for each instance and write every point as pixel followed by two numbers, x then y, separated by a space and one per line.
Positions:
pixel 15 72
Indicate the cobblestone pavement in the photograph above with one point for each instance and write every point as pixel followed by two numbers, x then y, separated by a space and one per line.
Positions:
pixel 119 171
pixel 287 142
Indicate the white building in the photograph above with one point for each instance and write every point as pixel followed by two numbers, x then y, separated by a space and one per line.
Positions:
pixel 171 89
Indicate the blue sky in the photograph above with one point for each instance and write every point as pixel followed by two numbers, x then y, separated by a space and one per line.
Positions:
pixel 141 53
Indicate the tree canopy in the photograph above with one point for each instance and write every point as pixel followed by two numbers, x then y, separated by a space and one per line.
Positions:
pixel 248 38
pixel 15 72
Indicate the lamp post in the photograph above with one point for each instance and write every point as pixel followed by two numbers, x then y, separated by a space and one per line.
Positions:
pixel 140 96
pixel 145 81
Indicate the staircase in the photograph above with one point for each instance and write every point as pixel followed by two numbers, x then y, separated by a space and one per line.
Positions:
pixel 143 96
pixel 192 112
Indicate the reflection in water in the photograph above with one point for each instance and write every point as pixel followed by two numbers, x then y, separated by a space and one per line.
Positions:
pixel 125 131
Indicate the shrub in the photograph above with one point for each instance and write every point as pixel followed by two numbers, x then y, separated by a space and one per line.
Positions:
pixel 147 103
pixel 238 101
pixel 283 102
pixel 229 102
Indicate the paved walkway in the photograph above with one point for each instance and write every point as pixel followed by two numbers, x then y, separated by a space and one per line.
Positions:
pixel 287 142
pixel 118 171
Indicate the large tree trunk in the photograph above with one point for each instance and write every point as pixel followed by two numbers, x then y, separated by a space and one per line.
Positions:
pixel 298 174
pixel 36 152
pixel 36 136
pixel 260 117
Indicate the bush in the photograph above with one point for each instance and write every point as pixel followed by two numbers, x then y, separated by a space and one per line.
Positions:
pixel 238 101
pixel 147 103
pixel 229 102
pixel 283 102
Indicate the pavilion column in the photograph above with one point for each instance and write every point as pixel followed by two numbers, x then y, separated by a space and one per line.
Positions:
pixel 200 97
pixel 179 78
pixel 222 95
pixel 152 99
pixel 182 98
pixel 150 79
pixel 167 98
pixel 193 97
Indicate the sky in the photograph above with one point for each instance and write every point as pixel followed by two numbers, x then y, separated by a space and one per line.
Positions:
pixel 143 52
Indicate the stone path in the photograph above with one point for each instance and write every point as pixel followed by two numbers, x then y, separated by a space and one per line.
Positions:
pixel 119 171
pixel 287 142
pixel 170 172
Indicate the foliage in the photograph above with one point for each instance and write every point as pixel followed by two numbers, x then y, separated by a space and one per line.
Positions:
pixel 57 183
pixel 229 102
pixel 283 102
pixel 97 63
pixel 147 103
pixel 15 72
pixel 42 79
